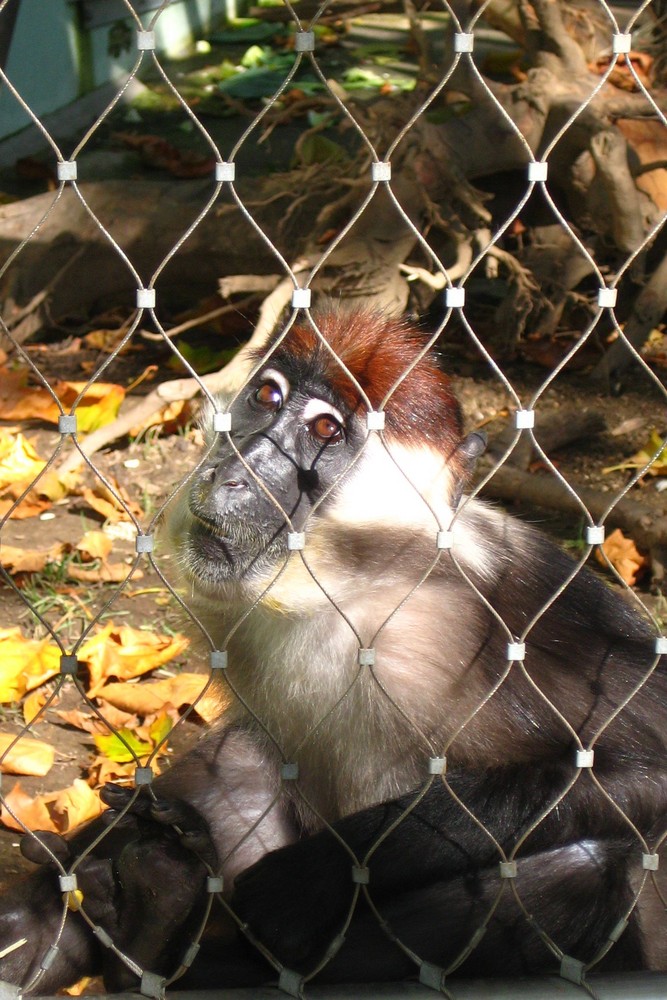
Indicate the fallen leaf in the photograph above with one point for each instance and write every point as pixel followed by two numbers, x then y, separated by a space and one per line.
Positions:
pixel 98 405
pixel 20 464
pixel 172 418
pixel 89 722
pixel 78 988
pixel 25 756
pixel 33 704
pixel 58 812
pixel 113 504
pixel 20 810
pixel 123 746
pixel 109 340
pixel 648 141
pixel 156 152
pixel 126 652
pixel 25 663
pixel 95 545
pixel 15 560
pixel 621 76
pixel 105 573
pixel 103 770
pixel 19 461
pixel 126 745
pixel 152 696
pixel 623 555
pixel 654 451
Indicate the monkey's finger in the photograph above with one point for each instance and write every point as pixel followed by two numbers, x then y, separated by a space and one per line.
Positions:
pixel 119 821
pixel 175 812
pixel 199 843
pixel 193 831
pixel 43 847
pixel 119 798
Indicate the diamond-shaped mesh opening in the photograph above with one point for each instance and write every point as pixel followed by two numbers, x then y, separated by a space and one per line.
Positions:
pixel 451 733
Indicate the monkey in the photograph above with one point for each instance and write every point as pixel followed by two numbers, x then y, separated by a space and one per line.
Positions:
pixel 442 748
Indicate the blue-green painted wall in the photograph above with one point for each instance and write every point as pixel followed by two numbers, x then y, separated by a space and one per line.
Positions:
pixel 52 61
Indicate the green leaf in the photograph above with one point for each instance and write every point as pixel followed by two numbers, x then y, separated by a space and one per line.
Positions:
pixel 317 148
pixel 160 729
pixel 248 33
pixel 203 358
pixel 119 746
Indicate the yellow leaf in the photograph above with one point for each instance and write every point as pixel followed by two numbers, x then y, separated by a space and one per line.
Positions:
pixel 98 406
pixel 654 451
pixel 19 462
pixel 19 465
pixel 24 663
pixel 159 730
pixel 78 988
pixel 32 704
pixel 127 652
pixel 25 756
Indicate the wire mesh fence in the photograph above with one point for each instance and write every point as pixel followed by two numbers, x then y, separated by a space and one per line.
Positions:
pixel 440 743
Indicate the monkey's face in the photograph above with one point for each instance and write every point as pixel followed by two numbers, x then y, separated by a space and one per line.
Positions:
pixel 287 447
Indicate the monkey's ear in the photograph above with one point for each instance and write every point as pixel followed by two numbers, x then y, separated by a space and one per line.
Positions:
pixel 470 449
pixel 465 459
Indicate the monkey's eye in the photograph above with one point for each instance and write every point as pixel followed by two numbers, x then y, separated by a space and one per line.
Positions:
pixel 269 396
pixel 326 428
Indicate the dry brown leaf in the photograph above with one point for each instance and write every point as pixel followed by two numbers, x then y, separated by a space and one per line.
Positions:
pixel 88 722
pixel 16 560
pixel 31 505
pixel 105 573
pixel 162 155
pixel 109 506
pixel 103 770
pixel 58 812
pixel 171 418
pixel 621 75
pixel 25 756
pixel 152 696
pixel 32 812
pixel 125 652
pixel 95 545
pixel 624 556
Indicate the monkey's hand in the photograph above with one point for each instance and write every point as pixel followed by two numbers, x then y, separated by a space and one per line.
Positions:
pixel 37 950
pixel 140 881
pixel 160 883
